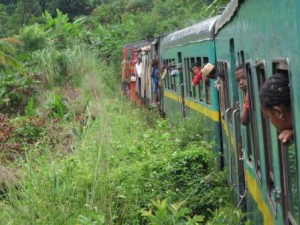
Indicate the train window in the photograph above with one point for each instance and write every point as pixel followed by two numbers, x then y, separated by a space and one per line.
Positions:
pixel 288 159
pixel 201 91
pixel 207 85
pixel 290 183
pixel 197 88
pixel 169 79
pixel 167 83
pixel 129 54
pixel 201 86
pixel 193 90
pixel 188 76
pixel 242 55
pixel 172 79
pixel 165 63
pixel 269 166
pixel 205 60
pixel 224 86
pixel 198 60
pixel 251 129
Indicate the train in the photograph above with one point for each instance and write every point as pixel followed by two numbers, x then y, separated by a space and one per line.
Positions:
pixel 264 37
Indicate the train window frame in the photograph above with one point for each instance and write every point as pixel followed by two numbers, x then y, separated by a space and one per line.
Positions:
pixel 129 54
pixel 207 85
pixel 282 65
pixel 252 126
pixel 168 86
pixel 193 89
pixel 261 74
pixel 242 55
pixel 199 87
pixel 172 80
pixel 285 174
pixel 187 72
pixel 165 63
pixel 224 68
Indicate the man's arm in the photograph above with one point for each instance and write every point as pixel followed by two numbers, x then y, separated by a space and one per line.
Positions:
pixel 245 114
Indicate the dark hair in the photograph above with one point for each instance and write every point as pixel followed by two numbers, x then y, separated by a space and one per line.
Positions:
pixel 241 66
pixel 213 73
pixel 154 63
pixel 195 64
pixel 275 91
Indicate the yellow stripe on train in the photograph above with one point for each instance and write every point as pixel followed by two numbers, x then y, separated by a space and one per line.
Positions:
pixel 251 182
pixel 213 115
pixel 255 192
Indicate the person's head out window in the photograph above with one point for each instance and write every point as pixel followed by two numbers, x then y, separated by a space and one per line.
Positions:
pixel 240 76
pixel 196 70
pixel 241 80
pixel 209 71
pixel 275 103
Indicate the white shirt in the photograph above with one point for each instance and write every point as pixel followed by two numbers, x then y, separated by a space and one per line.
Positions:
pixel 138 69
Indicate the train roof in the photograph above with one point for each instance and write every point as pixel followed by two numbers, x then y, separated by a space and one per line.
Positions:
pixel 195 33
pixel 227 14
pixel 137 45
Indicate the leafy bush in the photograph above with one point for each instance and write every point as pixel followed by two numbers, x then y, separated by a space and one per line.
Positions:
pixel 56 107
pixel 33 37
pixel 161 167
pixel 14 92
pixel 60 30
pixel 171 214
pixel 27 129
pixel 228 216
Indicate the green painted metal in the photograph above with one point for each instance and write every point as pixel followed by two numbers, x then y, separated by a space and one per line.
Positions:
pixel 265 32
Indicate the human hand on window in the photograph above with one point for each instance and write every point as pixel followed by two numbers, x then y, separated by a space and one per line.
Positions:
pixel 285 136
pixel 236 105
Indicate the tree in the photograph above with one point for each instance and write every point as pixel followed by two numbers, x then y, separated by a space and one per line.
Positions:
pixel 75 7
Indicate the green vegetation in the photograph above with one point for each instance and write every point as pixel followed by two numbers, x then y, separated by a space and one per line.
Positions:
pixel 73 150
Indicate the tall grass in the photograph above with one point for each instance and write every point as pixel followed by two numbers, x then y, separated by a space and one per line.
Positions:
pixel 55 188
pixel 119 164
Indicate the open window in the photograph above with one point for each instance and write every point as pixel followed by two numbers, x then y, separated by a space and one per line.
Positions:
pixel 187 65
pixel 129 54
pixel 170 79
pixel 224 86
pixel 207 84
pixel 165 62
pixel 288 163
pixel 249 128
pixel 201 85
pixel 267 143
pixel 253 141
pixel 197 92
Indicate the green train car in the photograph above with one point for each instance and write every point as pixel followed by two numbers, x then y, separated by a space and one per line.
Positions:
pixel 181 99
pixel 264 37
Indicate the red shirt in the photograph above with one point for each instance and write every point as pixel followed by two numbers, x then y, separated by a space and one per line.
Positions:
pixel 246 103
pixel 196 79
